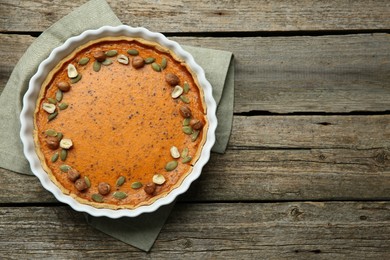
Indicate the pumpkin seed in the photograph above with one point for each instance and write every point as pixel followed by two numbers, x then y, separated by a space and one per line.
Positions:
pixel 87 181
pixel 187 159
pixel 133 52
pixel 158 179
pixel 59 95
pixel 170 166
pixel 187 130
pixel 96 66
pixel 52 100
pixel 174 152
pixel 52 116
pixel 83 61
pixel 149 60
pixel 63 106
pixel 107 62
pixel 195 135
pixel 177 91
pixel 184 153
pixel 156 67
pixel 186 121
pixel 72 71
pixel 66 143
pixel 54 158
pixel 120 181
pixel 76 79
pixel 163 63
pixel 64 168
pixel 49 108
pixel 51 132
pixel 59 136
pixel 186 87
pixel 119 195
pixel 185 99
pixel 123 59
pixel 136 185
pixel 97 197
pixel 111 53
pixel 63 154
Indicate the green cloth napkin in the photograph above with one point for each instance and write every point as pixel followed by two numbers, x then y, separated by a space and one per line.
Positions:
pixel 141 231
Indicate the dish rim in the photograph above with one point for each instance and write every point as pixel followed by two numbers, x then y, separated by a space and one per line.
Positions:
pixel 58 53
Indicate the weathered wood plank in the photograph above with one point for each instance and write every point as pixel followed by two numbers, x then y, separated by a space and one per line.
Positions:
pixel 287 74
pixel 262 174
pixel 323 230
pixel 211 16
pixel 353 132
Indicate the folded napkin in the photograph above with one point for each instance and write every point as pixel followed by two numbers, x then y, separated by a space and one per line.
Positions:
pixel 141 231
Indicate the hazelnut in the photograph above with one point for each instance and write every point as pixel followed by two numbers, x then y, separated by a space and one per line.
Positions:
pixel 150 188
pixel 81 184
pixel 73 175
pixel 52 142
pixel 104 188
pixel 138 62
pixel 196 124
pixel 172 79
pixel 99 56
pixel 185 111
pixel 63 86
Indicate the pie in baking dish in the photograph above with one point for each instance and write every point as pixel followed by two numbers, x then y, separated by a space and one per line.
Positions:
pixel 119 122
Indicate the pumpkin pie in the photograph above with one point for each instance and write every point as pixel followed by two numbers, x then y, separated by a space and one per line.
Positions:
pixel 119 123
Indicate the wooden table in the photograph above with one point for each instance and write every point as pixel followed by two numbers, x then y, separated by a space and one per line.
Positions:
pixel 307 170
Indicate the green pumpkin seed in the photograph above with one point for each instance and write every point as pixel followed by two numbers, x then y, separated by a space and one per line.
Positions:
pixel 186 121
pixel 170 166
pixel 76 79
pixel 187 130
pixel 185 99
pixel 83 61
pixel 52 100
pixel 52 116
pixel 63 154
pixel 51 132
pixel 111 53
pixel 136 185
pixel 107 62
pixel 186 87
pixel 187 159
pixel 59 95
pixel 97 197
pixel 96 66
pixel 87 181
pixel 54 158
pixel 120 181
pixel 163 63
pixel 149 60
pixel 119 195
pixel 64 168
pixel 156 67
pixel 184 153
pixel 195 135
pixel 63 106
pixel 133 52
pixel 59 136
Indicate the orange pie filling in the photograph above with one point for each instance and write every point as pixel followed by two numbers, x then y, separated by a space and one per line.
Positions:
pixel 119 123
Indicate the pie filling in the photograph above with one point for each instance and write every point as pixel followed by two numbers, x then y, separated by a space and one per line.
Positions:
pixel 119 123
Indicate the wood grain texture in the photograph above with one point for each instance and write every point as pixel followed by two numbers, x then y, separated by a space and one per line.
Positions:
pixel 336 74
pixel 278 158
pixel 211 16
pixel 320 230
